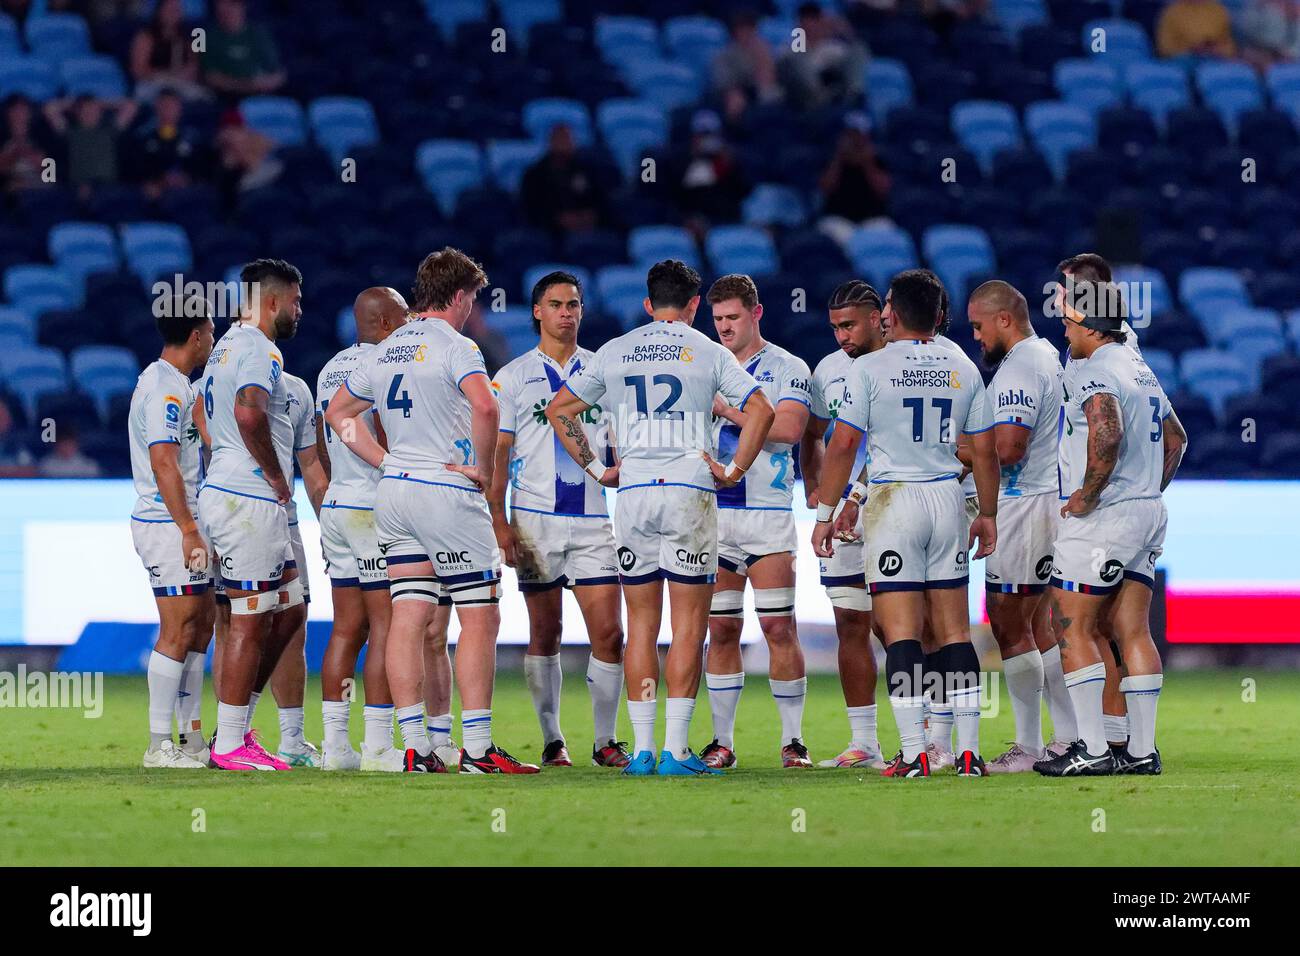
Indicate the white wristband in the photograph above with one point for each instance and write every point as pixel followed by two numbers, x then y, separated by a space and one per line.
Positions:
pixel 858 492
pixel 596 475
pixel 735 472
pixel 825 512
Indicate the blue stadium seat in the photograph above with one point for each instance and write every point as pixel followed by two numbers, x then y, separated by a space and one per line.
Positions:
pixel 1205 292
pixel 1167 80
pixel 10 41
pixel 341 123
pixel 647 245
pixel 665 81
pixel 142 237
pixel 520 16
pixel 694 39
pixel 541 116
pixel 56 36
pixel 627 39
pixel 741 249
pixel 888 84
pixel 40 283
pixel 94 76
pixel 1125 41
pixel 631 128
pixel 1216 376
pixel 880 252
pixel 32 373
pixel 17 328
pixel 447 15
pixel 956 253
pixel 1283 81
pixel 622 291
pixel 1164 366
pixel 1057 130
pixel 1093 84
pixel 1015 15
pixel 773 204
pixel 103 371
pixel 777 31
pixel 278 117
pixel 591 298
pixel 1229 89
pixel 449 167
pixel 509 159
pixel 31 76
pixel 1243 320
pixel 72 238
pixel 985 128
pixel 1147 292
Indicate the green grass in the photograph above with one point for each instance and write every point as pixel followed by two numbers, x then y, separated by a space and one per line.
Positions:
pixel 72 793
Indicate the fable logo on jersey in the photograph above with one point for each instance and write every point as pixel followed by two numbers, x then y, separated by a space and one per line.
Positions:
pixel 1017 397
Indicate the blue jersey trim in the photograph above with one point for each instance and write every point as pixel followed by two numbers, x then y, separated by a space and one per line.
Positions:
pixel 240 494
pixel 839 580
pixel 331 504
pixel 668 484
pixel 1017 424
pixel 722 507
pixel 911 481
pixel 355 395
pixel 345 582
pixel 592 582
pixel 841 421
pixel 741 406
pixel 554 514
pixel 978 431
pixel 437 484
pixel 506 431
pixel 153 520
pixel 477 371
pixel 791 398
pixel 165 441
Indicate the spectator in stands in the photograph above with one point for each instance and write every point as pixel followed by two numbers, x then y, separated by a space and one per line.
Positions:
pixel 246 158
pixel 21 153
pixel 1195 28
pixel 746 63
pixel 241 58
pixel 1270 31
pixel 827 69
pixel 66 459
pixel 163 55
pixel 708 183
pixel 560 191
pixel 92 136
pixel 15 460
pixel 855 185
pixel 168 152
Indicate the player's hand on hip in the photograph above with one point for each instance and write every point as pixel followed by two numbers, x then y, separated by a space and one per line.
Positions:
pixel 474 473
pixel 822 539
pixel 1077 506
pixel 610 478
pixel 985 528
pixel 507 541
pixel 719 472
pixel 195 551
pixel 280 488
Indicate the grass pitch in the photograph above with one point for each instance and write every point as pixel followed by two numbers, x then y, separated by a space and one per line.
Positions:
pixel 72 792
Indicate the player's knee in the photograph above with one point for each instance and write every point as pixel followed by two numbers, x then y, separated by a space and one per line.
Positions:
pixel 776 603
pixel 727 605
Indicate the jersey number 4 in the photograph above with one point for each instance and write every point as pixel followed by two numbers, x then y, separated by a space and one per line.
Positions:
pixel 399 401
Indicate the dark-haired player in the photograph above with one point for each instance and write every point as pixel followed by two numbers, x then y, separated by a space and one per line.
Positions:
pixel 659 381
pixel 164 524
pixel 558 533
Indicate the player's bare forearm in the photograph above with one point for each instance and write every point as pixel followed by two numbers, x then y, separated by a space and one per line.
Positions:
pixel 564 415
pixel 838 463
pixel 1105 433
pixel 165 460
pixel 791 421
pixel 313 476
pixel 810 453
pixel 496 492
pixel 255 429
pixel 759 416
pixel 1175 446
pixel 483 435
pixel 984 466
pixel 322 453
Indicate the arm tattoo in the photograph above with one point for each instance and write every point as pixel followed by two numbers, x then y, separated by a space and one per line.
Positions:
pixel 573 429
pixel 247 398
pixel 1059 624
pixel 1104 435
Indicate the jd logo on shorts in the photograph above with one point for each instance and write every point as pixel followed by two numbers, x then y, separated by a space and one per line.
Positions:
pixel 961 558
pixel 1110 571
pixel 626 558
pixel 1043 568
pixel 891 562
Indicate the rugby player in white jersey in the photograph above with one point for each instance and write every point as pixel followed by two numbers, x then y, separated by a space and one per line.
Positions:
pixel 289 679
pixel 164 526
pixel 558 533
pixel 1113 529
pixel 659 382
pixel 756 533
pixel 910 399
pixel 1025 400
pixel 356 569
pixel 431 389
pixel 855 319
pixel 242 502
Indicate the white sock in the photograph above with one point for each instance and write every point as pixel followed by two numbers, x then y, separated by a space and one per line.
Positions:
pixel 378 719
pixel 677 726
pixel 439 729
pixel 642 714
pixel 789 696
pixel 334 714
pixel 253 698
pixel 164 683
pixel 966 716
pixel 291 726
pixel 1059 706
pixel 476 731
pixel 724 698
pixel 909 714
pixel 605 682
pixel 189 699
pixel 862 729
pixel 1117 725
pixel 1142 694
pixel 1024 674
pixel 940 729
pixel 1086 686
pixel 544 679
pixel 231 721
pixel 410 721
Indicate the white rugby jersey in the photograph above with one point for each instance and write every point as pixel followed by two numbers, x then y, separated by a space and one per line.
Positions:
pixel 968 483
pixel 1116 370
pixel 543 476
pixel 912 398
pixel 414 378
pixel 193 467
pixel 352 480
pixel 244 357
pixel 160 413
pixel 302 412
pixel 828 381
pixel 1026 392
pixel 1067 467
pixel 768 483
pixel 658 383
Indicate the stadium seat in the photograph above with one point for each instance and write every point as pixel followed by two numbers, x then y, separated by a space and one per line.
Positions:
pixel 956 253
pixel 103 371
pixel 626 39
pixel 509 159
pixel 449 167
pixel 1156 82
pixel 1015 15
pixel 447 15
pixel 1216 376
pixel 10 40
pixel 143 238
pixel 98 76
pixel 278 117
pixel 33 283
pixel 1057 130
pixel 1093 84
pixel 1147 293
pixel 985 128
pixel 520 16
pixel 541 116
pixel 622 291
pixel 694 40
pixel 17 328
pixel 1240 320
pixel 741 249
pixel 1283 82
pixel 1205 292
pixel 647 245
pixel 664 81
pixel 57 36
pixel 631 129
pixel 32 373
pixel 880 252
pixel 342 123
pixel 773 204
pixel 888 85
pixel 1164 366
pixel 71 238
pixel 33 77
pixel 1116 40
